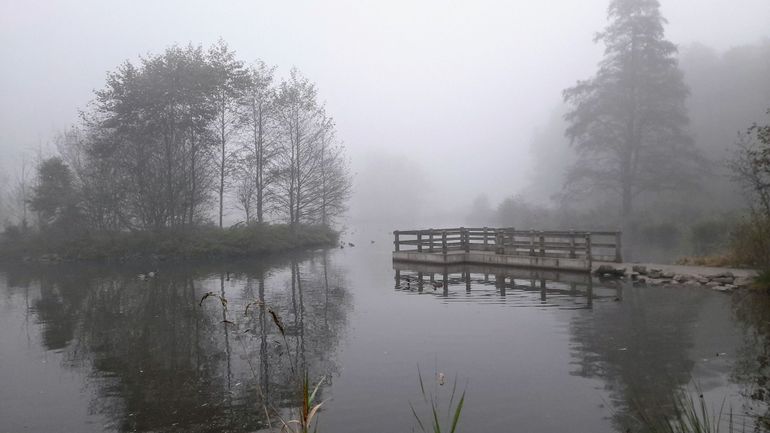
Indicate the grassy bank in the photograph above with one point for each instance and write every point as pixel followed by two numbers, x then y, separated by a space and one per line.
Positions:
pixel 188 243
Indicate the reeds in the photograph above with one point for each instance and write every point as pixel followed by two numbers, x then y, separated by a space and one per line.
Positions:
pixel 309 409
pixel 432 399
pixel 691 415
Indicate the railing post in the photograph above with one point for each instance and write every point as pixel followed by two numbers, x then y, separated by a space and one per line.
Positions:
pixel 542 244
pixel 589 256
pixel 443 242
pixel 531 242
pixel 396 241
pixel 467 240
pixel 618 247
pixel 486 242
pixel 572 244
pixel 430 247
pixel 419 242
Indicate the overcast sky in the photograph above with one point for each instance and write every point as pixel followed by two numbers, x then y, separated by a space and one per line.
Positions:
pixel 458 86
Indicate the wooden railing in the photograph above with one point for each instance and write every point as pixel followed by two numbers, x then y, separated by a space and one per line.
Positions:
pixel 595 245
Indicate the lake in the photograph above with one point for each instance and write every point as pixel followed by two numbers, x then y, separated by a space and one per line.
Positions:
pixel 95 348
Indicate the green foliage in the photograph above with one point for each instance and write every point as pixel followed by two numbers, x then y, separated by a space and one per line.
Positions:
pixel 55 197
pixel 187 243
pixel 710 236
pixel 750 242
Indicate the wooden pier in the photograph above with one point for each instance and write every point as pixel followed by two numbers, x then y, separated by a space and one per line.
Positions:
pixel 555 250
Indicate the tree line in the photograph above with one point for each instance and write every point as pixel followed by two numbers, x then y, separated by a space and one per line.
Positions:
pixel 170 140
pixel 645 144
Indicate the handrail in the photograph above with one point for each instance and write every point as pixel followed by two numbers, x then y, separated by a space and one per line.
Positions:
pixel 593 245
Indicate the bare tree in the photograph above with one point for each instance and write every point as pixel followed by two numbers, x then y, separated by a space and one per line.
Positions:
pixel 334 188
pixel 230 80
pixel 20 194
pixel 258 120
pixel 246 189
pixel 301 121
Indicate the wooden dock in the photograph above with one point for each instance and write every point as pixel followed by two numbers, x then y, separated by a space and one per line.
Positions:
pixel 554 250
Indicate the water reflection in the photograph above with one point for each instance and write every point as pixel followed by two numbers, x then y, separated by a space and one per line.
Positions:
pixel 752 368
pixel 512 286
pixel 644 344
pixel 160 361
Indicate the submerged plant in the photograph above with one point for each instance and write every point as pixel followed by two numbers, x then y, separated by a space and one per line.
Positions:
pixel 433 401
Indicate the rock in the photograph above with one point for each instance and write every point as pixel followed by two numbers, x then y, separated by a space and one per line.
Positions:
pixel 743 281
pixel 723 280
pixel 726 289
pixel 640 269
pixel 703 280
pixel 641 280
pixel 667 274
pixel 654 273
pixel 712 284
pixel 680 278
pixel 610 271
pixel 692 283
pixel 634 275
pixel 722 275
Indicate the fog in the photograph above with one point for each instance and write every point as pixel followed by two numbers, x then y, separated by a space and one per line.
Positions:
pixel 452 92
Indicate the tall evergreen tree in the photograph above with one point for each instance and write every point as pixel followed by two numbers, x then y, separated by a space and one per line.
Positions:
pixel 628 123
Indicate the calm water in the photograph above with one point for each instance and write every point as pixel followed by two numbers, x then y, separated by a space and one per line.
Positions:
pixel 93 348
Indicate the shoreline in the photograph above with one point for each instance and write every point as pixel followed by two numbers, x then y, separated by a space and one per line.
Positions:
pixel 168 245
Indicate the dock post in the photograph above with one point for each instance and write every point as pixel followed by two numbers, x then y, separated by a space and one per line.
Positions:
pixel 446 283
pixel 618 247
pixel 443 242
pixel 396 242
pixel 531 242
pixel 486 242
pixel 419 242
pixel 467 240
pixel 589 255
pixel 430 247
pixel 572 244
pixel 467 281
pixel 419 282
pixel 542 244
pixel 398 279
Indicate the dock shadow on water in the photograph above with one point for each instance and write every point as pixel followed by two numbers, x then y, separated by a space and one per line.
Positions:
pixel 162 360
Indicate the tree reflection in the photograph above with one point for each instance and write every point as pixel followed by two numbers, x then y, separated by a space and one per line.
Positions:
pixel 162 362
pixel 752 367
pixel 639 347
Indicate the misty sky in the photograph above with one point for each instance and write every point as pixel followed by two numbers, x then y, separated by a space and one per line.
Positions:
pixel 459 87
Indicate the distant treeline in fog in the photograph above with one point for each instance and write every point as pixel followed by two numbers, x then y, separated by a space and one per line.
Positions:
pixel 647 144
pixel 170 140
